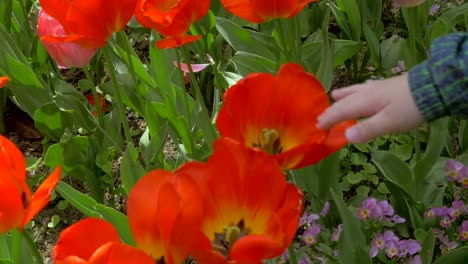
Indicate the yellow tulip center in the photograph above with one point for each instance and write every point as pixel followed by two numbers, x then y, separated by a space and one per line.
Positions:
pixel 269 140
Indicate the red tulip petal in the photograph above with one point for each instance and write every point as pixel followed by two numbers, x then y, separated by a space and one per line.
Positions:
pixel 174 42
pixel 301 5
pixel 42 196
pixel 209 257
pixel 3 81
pixel 71 260
pixel 269 9
pixel 243 9
pixel 58 9
pixel 336 135
pixel 151 223
pixel 13 167
pixel 11 207
pixel 255 248
pixel 82 239
pixel 118 253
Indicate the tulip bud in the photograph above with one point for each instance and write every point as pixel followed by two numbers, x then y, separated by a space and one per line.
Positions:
pixel 65 54
pixel 409 3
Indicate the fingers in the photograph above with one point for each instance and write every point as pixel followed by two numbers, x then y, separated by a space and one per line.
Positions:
pixel 350 107
pixel 344 92
pixel 368 129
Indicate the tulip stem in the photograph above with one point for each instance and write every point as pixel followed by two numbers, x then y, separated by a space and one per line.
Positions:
pixel 97 104
pixel 129 50
pixel 32 245
pixel 283 41
pixel 193 80
pixel 118 96
pixel 16 245
pixel 187 108
pixel 292 255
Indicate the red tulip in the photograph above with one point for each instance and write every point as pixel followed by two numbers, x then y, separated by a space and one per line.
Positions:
pixel 89 23
pixel 18 206
pixel 257 11
pixel 279 115
pixel 251 213
pixel 3 81
pixel 65 54
pixel 171 18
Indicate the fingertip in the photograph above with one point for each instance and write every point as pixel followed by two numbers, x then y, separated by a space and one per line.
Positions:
pixel 353 135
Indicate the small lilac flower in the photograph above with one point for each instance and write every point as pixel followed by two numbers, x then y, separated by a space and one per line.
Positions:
pixel 369 209
pixel 429 214
pixel 458 208
pixel 389 237
pixel 363 213
pixel 439 233
pixel 378 243
pixel 310 235
pixel 452 168
pixel 307 218
pixel 415 260
pixel 386 208
pixel 447 245
pixel 325 209
pixel 434 10
pixel 336 233
pixel 440 211
pixel 397 219
pixel 446 222
pixel 413 246
pixel 391 250
pixel 463 177
pixel 284 257
pixel 463 231
pixel 305 260
pixel 402 246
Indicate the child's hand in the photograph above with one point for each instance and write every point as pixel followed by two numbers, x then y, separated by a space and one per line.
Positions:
pixel 388 104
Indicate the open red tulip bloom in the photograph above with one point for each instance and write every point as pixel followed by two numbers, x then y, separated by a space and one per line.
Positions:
pixel 18 206
pixel 3 81
pixel 171 18
pixel 279 115
pixel 88 23
pixel 251 211
pixel 95 241
pixel 258 11
pixel 164 212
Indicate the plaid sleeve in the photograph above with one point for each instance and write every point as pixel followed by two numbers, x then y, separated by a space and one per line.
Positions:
pixel 440 84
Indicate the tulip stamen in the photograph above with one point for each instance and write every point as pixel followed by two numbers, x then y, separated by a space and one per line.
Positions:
pixel 269 140
pixel 223 242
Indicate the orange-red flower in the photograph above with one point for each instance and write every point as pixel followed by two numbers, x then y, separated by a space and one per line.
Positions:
pixel 258 11
pixel 3 81
pixel 95 241
pixel 164 212
pixel 18 206
pixel 171 18
pixel 88 23
pixel 279 115
pixel 251 212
